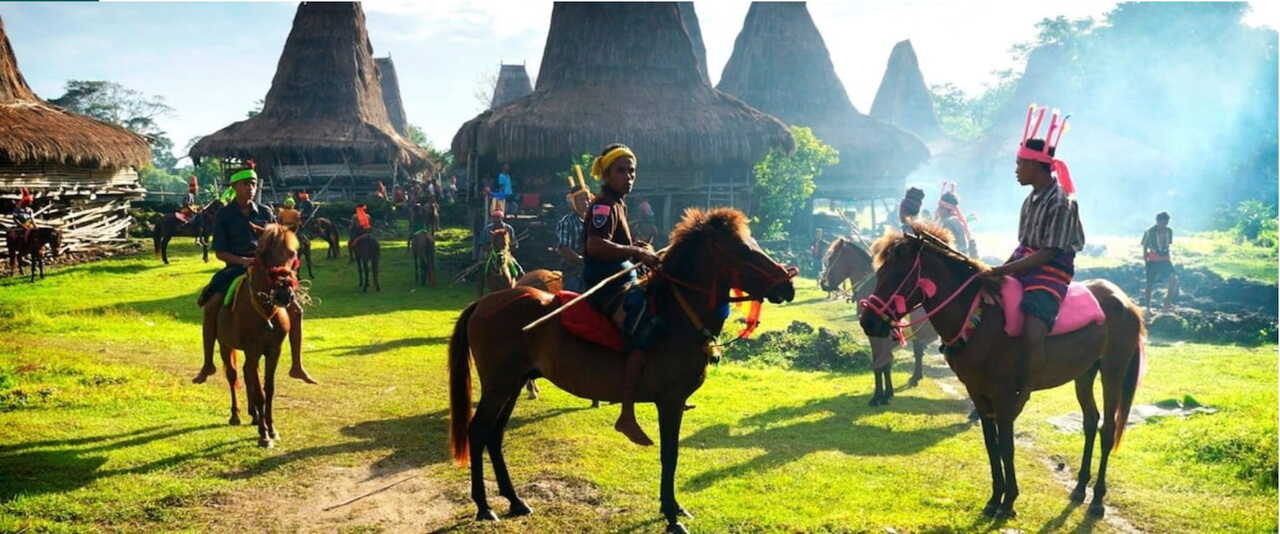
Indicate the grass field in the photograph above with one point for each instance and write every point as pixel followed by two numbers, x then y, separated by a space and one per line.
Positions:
pixel 101 430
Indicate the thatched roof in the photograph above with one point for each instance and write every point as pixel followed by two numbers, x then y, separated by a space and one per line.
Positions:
pixel 903 99
pixel 641 87
pixel 690 18
pixel 325 100
pixel 513 83
pixel 391 95
pixel 33 130
pixel 780 65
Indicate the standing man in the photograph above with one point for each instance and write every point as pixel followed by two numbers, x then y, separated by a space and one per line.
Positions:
pixel 610 249
pixel 504 190
pixel 569 234
pixel 235 240
pixel 1155 251
pixel 1049 235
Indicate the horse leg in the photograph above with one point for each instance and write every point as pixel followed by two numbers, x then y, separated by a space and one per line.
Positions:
pixel 991 441
pixel 918 372
pixel 310 273
pixel 373 263
pixel 481 431
pixel 252 389
pixel 1004 429
pixel 269 393
pixel 1089 409
pixel 670 415
pixel 888 381
pixel 505 488
pixel 875 398
pixel 164 248
pixel 1112 384
pixel 229 368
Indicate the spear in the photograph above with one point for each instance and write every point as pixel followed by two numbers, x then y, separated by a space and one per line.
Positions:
pixel 584 294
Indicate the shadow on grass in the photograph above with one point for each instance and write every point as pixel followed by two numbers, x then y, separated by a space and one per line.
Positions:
pixel 836 430
pixel 1055 524
pixel 375 348
pixel 415 441
pixel 55 466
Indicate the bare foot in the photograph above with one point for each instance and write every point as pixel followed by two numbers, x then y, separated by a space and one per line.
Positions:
pixel 633 432
pixel 301 374
pixel 204 374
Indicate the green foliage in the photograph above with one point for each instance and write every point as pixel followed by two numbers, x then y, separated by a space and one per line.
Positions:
pixel 257 108
pixel 964 117
pixel 128 108
pixel 419 137
pixel 784 182
pixel 1253 221
pixel 802 347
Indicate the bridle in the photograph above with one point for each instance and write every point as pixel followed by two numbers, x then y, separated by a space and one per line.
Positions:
pixel 897 305
pixel 712 292
pixel 278 276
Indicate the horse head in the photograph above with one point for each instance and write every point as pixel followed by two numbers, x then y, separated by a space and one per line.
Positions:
pixel 53 238
pixel 713 251
pixel 843 260
pixel 277 255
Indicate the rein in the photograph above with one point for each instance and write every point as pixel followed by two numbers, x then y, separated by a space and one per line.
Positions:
pixel 757 304
pixel 892 309
pixel 279 275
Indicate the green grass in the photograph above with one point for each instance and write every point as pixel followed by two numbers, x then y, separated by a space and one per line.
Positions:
pixel 1217 251
pixel 100 429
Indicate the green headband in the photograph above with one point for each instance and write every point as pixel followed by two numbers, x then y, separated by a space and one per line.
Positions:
pixel 247 174
pixel 288 201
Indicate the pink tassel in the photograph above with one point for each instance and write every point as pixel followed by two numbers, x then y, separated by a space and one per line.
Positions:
pixel 1064 176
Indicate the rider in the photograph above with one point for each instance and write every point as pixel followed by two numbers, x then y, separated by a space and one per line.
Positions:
pixel 951 218
pixel 909 208
pixel 235 239
pixel 289 216
pixel 1049 235
pixel 23 216
pixel 305 205
pixel 361 224
pixel 189 203
pixel 608 250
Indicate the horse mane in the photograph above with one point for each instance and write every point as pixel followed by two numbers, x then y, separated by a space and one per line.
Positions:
pixel 276 236
pixel 690 234
pixel 937 238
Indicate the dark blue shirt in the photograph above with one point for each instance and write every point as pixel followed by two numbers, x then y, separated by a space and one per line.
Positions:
pixel 231 230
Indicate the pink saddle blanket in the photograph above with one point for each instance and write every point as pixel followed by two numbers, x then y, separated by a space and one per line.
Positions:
pixel 1078 310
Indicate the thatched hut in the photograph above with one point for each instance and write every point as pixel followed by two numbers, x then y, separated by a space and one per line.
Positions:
pixel 324 125
pixel 82 172
pixel 903 99
pixel 780 65
pixel 689 16
pixel 513 83
pixel 641 87
pixel 391 95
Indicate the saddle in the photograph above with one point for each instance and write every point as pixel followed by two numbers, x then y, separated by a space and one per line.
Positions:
pixel 1077 310
pixel 584 322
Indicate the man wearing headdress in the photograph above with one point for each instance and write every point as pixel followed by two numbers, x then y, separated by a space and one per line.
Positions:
pixel 909 208
pixel 361 223
pixel 24 218
pixel 235 241
pixel 306 206
pixel 569 235
pixel 289 216
pixel 1155 252
pixel 189 203
pixel 951 218
pixel 1049 236
pixel 608 250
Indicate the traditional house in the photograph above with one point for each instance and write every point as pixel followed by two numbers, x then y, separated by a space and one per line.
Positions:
pixel 781 66
pixel 391 95
pixel 324 126
pixel 82 172
pixel 641 87
pixel 903 99
pixel 513 83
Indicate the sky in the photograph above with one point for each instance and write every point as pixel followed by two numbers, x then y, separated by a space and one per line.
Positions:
pixel 212 60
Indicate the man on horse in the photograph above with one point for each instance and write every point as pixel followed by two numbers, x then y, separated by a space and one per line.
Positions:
pixel 569 234
pixel 909 208
pixel 361 224
pixel 951 218
pixel 288 216
pixel 189 203
pixel 306 206
pixel 608 250
pixel 1049 235
pixel 24 218
pixel 235 239
pixel 1155 252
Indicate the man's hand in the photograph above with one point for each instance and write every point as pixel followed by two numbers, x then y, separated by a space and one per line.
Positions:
pixel 247 262
pixel 647 257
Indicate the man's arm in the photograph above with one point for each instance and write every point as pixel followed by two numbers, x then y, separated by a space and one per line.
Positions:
pixel 1025 263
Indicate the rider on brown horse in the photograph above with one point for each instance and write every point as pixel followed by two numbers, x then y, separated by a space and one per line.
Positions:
pixel 24 217
pixel 609 249
pixel 1049 235
pixel 288 216
pixel 235 238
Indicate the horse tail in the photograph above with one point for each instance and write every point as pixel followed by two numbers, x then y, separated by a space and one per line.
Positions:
pixel 460 388
pixel 1132 378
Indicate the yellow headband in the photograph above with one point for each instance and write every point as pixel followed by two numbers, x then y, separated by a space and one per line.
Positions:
pixel 602 163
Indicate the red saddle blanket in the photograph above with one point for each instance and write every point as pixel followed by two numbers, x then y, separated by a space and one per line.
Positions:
pixel 586 323
pixel 1078 309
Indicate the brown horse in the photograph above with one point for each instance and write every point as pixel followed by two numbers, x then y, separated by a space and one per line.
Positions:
pixel 199 226
pixel 31 245
pixel 304 251
pixel 845 260
pixel 425 214
pixel 422 248
pixel 366 251
pixel 256 323
pixel 551 282
pixel 710 252
pixel 986 363
pixel 500 267
pixel 326 230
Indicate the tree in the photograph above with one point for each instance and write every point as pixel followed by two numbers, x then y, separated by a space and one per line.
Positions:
pixel 419 137
pixel 485 86
pixel 784 182
pixel 256 109
pixel 116 104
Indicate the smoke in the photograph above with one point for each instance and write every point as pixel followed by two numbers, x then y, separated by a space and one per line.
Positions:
pixel 1173 109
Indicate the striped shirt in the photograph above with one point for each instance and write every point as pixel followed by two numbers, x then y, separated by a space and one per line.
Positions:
pixel 569 233
pixel 1050 220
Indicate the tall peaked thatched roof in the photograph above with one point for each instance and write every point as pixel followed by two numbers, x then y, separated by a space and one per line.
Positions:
pixel 513 83
pixel 391 96
pixel 641 87
pixel 33 130
pixel 325 101
pixel 690 18
pixel 903 99
pixel 780 65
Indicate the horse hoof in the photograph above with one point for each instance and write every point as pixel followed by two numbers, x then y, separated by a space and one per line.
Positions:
pixel 1077 495
pixel 519 508
pixel 675 527
pixel 1097 510
pixel 990 509
pixel 265 443
pixel 1006 513
pixel 680 511
pixel 235 421
pixel 486 515
pixel 875 401
pixel 275 436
